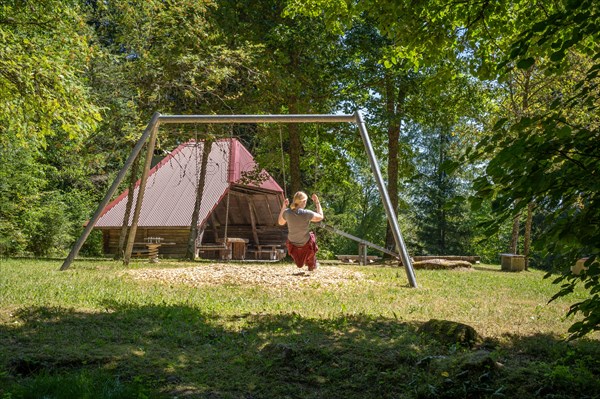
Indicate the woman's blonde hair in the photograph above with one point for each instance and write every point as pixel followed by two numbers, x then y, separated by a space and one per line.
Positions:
pixel 298 198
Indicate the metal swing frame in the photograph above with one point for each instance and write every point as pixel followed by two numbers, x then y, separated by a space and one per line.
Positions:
pixel 150 134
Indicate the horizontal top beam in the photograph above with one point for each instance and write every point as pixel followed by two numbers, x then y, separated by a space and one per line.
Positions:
pixel 172 119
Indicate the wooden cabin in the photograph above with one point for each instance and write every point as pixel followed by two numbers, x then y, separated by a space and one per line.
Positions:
pixel 238 202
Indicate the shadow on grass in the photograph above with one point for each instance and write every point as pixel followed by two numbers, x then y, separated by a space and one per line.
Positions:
pixel 487 268
pixel 179 351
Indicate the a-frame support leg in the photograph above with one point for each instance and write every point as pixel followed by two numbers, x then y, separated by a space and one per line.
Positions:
pixel 120 176
pixel 140 196
pixel 389 209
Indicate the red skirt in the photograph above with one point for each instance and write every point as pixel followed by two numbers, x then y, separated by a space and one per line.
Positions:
pixel 306 254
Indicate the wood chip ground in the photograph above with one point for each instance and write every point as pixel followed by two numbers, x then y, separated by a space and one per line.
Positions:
pixel 276 276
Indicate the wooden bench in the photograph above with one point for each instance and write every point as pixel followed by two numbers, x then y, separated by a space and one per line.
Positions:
pixel 223 251
pixel 470 259
pixel 139 252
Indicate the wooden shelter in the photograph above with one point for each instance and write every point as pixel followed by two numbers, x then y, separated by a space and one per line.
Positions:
pixel 238 209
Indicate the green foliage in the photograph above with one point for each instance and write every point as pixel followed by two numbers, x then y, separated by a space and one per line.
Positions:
pixel 20 183
pixel 172 56
pixel 551 157
pixel 44 52
pixel 46 226
pixel 531 130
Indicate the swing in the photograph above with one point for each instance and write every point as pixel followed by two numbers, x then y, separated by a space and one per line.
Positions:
pixel 149 135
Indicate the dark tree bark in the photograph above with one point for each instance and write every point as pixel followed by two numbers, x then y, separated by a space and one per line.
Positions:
pixel 527 236
pixel 394 107
pixel 135 167
pixel 191 248
pixel 514 241
pixel 295 150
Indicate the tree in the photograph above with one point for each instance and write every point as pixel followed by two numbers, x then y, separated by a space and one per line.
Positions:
pixel 546 157
pixel 450 106
pixel 43 54
pixel 46 111
pixel 386 93
pixel 298 59
pixel 193 237
pixel 21 181
pixel 551 157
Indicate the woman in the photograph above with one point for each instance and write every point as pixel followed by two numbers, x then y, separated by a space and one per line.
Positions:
pixel 301 242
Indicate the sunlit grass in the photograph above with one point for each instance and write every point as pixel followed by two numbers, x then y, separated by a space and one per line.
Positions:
pixel 97 325
pixel 492 301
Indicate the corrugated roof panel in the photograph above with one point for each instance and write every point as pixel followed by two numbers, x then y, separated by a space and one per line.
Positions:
pixel 171 187
pixel 243 161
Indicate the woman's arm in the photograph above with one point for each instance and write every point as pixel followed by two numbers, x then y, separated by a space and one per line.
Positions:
pixel 319 216
pixel 280 219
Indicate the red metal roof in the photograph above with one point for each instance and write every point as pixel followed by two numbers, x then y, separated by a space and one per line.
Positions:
pixel 171 187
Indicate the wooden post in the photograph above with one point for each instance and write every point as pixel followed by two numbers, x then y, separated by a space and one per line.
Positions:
pixel 140 197
pixel 215 227
pixel 362 254
pixel 152 126
pixel 273 220
pixel 252 211
pixel 191 249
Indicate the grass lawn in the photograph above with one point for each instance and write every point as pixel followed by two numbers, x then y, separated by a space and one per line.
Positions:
pixel 201 330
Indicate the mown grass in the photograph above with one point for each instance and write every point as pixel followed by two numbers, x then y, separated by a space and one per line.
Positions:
pixel 93 331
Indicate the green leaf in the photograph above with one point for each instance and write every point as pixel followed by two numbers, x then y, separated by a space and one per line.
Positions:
pixel 526 63
pixel 539 26
pixel 557 56
pixel 499 124
pixel 564 132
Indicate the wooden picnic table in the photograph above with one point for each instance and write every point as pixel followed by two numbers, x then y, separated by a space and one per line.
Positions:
pixel 153 244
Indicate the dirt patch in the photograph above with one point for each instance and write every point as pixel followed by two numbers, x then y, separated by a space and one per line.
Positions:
pixel 278 276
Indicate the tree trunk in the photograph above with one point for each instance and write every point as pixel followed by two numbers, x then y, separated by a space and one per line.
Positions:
pixel 295 150
pixel 191 248
pixel 527 236
pixel 441 192
pixel 394 104
pixel 514 241
pixel 135 166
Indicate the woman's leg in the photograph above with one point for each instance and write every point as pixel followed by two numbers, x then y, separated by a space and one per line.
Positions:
pixel 295 253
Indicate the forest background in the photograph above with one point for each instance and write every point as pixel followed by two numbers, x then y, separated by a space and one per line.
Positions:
pixel 484 115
